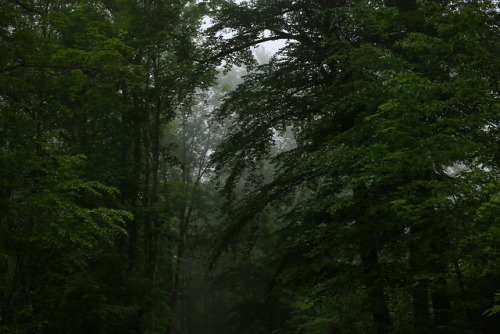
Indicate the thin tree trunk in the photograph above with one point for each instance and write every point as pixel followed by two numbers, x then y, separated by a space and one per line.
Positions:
pixel 419 291
pixel 441 306
pixel 439 293
pixel 375 288
pixel 174 301
pixel 153 220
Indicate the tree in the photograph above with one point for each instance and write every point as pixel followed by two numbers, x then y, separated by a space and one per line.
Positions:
pixel 385 100
pixel 52 211
pixel 86 89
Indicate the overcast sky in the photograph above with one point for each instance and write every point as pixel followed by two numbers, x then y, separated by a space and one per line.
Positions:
pixel 270 47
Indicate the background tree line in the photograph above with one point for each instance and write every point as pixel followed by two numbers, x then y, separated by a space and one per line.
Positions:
pixel 87 91
pixel 349 184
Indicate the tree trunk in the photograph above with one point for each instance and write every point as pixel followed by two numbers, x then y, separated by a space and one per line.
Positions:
pixel 174 299
pixel 419 290
pixel 375 288
pixel 439 293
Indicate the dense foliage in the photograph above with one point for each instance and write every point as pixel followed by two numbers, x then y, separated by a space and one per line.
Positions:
pixel 86 88
pixel 389 199
pixel 357 169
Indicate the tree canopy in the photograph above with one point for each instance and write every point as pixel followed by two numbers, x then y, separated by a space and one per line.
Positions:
pixel 393 106
pixel 156 176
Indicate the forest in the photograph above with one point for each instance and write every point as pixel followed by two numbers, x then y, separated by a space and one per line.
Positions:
pixel 162 172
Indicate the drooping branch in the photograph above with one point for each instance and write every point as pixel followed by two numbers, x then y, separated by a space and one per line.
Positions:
pixel 241 47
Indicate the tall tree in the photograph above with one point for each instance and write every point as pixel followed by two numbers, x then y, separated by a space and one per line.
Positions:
pixel 86 88
pixel 393 107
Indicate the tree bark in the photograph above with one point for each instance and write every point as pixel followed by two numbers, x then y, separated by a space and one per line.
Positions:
pixel 422 323
pixel 375 288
